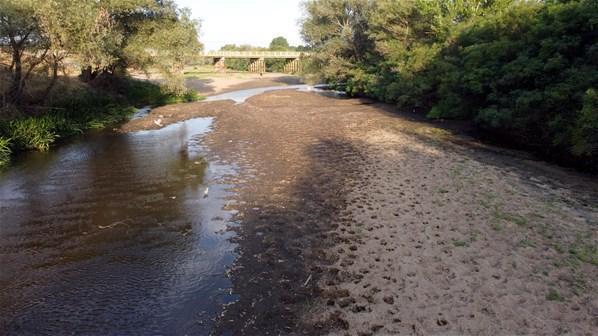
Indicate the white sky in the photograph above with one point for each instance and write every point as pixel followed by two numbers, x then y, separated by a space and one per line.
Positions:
pixel 254 22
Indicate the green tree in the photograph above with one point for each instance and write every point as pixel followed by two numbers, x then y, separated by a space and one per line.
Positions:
pixel 279 44
pixel 23 38
pixel 107 37
pixel 336 30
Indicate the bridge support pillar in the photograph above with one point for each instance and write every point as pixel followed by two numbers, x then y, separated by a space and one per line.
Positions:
pixel 219 63
pixel 257 65
pixel 292 65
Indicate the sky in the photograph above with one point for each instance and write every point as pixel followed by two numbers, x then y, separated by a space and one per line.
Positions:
pixel 254 22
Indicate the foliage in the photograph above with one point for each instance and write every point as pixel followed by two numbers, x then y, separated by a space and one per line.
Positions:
pixel 79 111
pixel 21 36
pixel 142 93
pixel 166 43
pixel 585 131
pixel 105 37
pixel 32 133
pixel 525 72
pixel 272 65
pixel 5 152
pixel 238 64
pixel 279 44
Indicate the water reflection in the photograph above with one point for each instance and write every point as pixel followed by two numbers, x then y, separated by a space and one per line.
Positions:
pixel 111 234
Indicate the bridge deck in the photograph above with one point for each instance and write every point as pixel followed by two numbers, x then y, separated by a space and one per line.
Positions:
pixel 255 54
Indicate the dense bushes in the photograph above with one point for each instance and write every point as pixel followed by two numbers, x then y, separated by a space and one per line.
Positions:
pixel 524 72
pixel 527 74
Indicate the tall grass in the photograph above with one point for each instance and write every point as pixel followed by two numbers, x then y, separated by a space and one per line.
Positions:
pixel 5 152
pixel 32 133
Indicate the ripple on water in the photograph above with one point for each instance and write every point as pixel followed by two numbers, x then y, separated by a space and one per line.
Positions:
pixel 111 234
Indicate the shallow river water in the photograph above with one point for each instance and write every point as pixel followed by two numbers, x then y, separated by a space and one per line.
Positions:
pixel 115 234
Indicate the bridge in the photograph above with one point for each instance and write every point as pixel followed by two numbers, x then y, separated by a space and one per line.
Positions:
pixel 257 59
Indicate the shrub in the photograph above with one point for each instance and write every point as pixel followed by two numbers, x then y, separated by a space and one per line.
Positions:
pixel 585 131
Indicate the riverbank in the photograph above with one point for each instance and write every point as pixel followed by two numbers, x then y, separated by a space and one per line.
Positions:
pixel 358 219
pixel 74 109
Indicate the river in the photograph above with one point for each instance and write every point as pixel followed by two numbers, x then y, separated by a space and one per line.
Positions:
pixel 115 234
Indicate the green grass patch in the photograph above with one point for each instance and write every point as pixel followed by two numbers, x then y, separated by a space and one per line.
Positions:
pixel 586 253
pixel 460 243
pixel 553 295
pixel 513 218
pixel 31 133
pixel 5 152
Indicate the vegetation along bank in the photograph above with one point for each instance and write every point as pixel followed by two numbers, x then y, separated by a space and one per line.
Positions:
pixel 525 72
pixel 64 65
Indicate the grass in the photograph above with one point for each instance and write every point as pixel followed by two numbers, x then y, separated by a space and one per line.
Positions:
pixel 32 133
pixel 509 217
pixel 5 152
pixel 77 111
pixel 526 243
pixel 497 226
pixel 460 243
pixel 553 295
pixel 585 252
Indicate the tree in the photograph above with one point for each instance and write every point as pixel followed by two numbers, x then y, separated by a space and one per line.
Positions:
pixel 141 34
pixel 335 29
pixel 166 43
pixel 107 37
pixel 279 44
pixel 21 35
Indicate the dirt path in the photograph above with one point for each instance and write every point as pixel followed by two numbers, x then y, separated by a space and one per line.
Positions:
pixel 356 220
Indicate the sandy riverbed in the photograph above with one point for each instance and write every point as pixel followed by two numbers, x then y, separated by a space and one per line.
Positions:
pixel 357 219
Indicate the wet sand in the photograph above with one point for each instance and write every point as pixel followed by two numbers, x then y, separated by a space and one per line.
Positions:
pixel 357 219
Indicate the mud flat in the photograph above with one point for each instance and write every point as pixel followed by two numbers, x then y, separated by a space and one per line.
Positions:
pixel 355 219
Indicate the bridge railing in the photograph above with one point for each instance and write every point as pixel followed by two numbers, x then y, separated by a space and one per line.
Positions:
pixel 256 54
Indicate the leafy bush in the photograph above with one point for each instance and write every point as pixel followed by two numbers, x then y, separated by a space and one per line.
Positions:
pixel 585 131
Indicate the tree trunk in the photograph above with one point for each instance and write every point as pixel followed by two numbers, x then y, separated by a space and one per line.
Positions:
pixel 86 74
pixel 15 92
pixel 52 80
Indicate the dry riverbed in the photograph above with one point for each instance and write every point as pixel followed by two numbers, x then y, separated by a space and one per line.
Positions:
pixel 356 219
